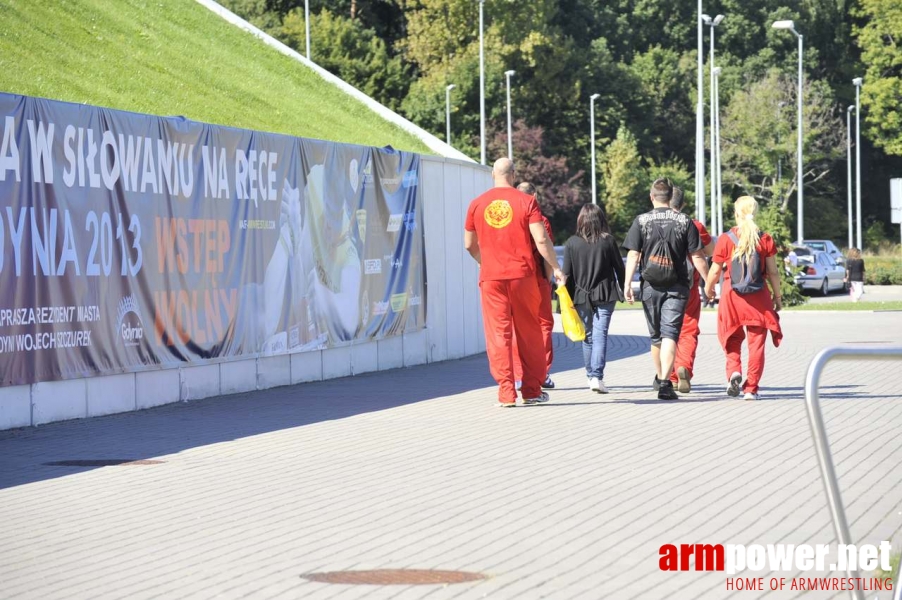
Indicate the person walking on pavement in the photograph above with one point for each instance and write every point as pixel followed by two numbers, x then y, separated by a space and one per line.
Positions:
pixel 658 242
pixel 687 345
pixel 747 309
pixel 544 274
pixel 501 227
pixel 855 274
pixel 595 279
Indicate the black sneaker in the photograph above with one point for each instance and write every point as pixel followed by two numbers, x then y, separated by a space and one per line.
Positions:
pixel 543 398
pixel 684 384
pixel 548 384
pixel 665 392
pixel 656 384
pixel 734 385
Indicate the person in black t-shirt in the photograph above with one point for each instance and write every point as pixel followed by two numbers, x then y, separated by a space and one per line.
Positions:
pixel 855 274
pixel 664 305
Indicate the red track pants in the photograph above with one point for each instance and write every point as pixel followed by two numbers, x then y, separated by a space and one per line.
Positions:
pixel 546 322
pixel 510 307
pixel 757 336
pixel 688 342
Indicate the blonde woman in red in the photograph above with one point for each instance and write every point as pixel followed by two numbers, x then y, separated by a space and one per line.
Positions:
pixel 747 310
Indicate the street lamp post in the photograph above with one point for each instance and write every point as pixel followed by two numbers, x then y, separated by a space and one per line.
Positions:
pixel 448 89
pixel 700 126
pixel 857 83
pixel 510 142
pixel 481 86
pixel 717 175
pixel 849 168
pixel 712 23
pixel 592 99
pixel 307 24
pixel 800 226
pixel 780 106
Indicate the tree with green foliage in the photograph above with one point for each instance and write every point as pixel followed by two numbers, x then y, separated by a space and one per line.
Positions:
pixel 880 40
pixel 561 192
pixel 756 132
pixel 679 175
pixel 623 177
pixel 772 220
pixel 354 53
pixel 666 114
pixel 640 57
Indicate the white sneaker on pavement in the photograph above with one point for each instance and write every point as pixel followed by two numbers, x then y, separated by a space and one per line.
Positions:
pixel 594 384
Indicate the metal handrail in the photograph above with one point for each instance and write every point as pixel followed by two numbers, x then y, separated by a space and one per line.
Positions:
pixel 819 435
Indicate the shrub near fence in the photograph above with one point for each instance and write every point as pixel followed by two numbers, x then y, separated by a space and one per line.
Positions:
pixel 882 270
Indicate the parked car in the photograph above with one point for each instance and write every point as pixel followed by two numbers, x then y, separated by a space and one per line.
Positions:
pixel 826 246
pixel 820 273
pixel 635 283
pixel 559 250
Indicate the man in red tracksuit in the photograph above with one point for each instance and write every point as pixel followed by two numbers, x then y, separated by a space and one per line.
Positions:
pixel 546 317
pixel 688 342
pixel 500 229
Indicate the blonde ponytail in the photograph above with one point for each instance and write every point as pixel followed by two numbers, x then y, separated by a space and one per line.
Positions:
pixel 746 207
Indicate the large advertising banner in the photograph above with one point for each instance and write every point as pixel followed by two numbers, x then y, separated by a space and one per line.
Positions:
pixel 129 242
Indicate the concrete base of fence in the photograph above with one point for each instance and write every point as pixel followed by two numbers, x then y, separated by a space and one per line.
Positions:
pixel 49 401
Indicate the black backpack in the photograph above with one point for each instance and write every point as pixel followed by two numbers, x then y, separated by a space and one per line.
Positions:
pixel 746 277
pixel 660 270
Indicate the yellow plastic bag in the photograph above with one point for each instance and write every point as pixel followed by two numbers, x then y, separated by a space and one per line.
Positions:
pixel 573 325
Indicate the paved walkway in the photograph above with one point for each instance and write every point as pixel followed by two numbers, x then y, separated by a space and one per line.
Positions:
pixel 417 469
pixel 872 293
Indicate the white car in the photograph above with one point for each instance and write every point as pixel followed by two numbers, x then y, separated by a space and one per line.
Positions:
pixel 826 246
pixel 820 273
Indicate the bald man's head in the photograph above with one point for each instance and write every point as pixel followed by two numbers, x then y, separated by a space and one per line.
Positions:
pixel 503 172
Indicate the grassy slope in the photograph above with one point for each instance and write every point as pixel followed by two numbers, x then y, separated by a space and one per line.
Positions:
pixel 175 57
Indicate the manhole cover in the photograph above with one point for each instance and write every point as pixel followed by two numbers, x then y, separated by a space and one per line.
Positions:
pixel 394 577
pixel 103 462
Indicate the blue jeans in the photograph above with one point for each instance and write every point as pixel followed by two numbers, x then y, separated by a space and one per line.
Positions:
pixel 595 346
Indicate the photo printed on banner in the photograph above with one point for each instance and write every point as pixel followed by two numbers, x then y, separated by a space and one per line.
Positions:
pixel 130 241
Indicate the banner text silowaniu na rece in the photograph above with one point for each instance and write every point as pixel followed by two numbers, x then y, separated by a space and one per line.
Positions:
pixel 131 242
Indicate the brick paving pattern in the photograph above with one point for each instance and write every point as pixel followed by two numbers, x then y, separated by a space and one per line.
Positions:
pixel 416 469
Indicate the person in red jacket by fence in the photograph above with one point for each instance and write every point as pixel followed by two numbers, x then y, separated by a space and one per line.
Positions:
pixel 544 273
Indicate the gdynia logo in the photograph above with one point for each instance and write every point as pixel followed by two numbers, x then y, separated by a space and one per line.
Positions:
pixel 129 324
pixel 751 559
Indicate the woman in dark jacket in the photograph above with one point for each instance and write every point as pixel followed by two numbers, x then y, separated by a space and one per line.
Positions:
pixel 595 272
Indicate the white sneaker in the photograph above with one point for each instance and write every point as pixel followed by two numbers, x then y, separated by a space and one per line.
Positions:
pixel 601 387
pixel 594 384
pixel 751 396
